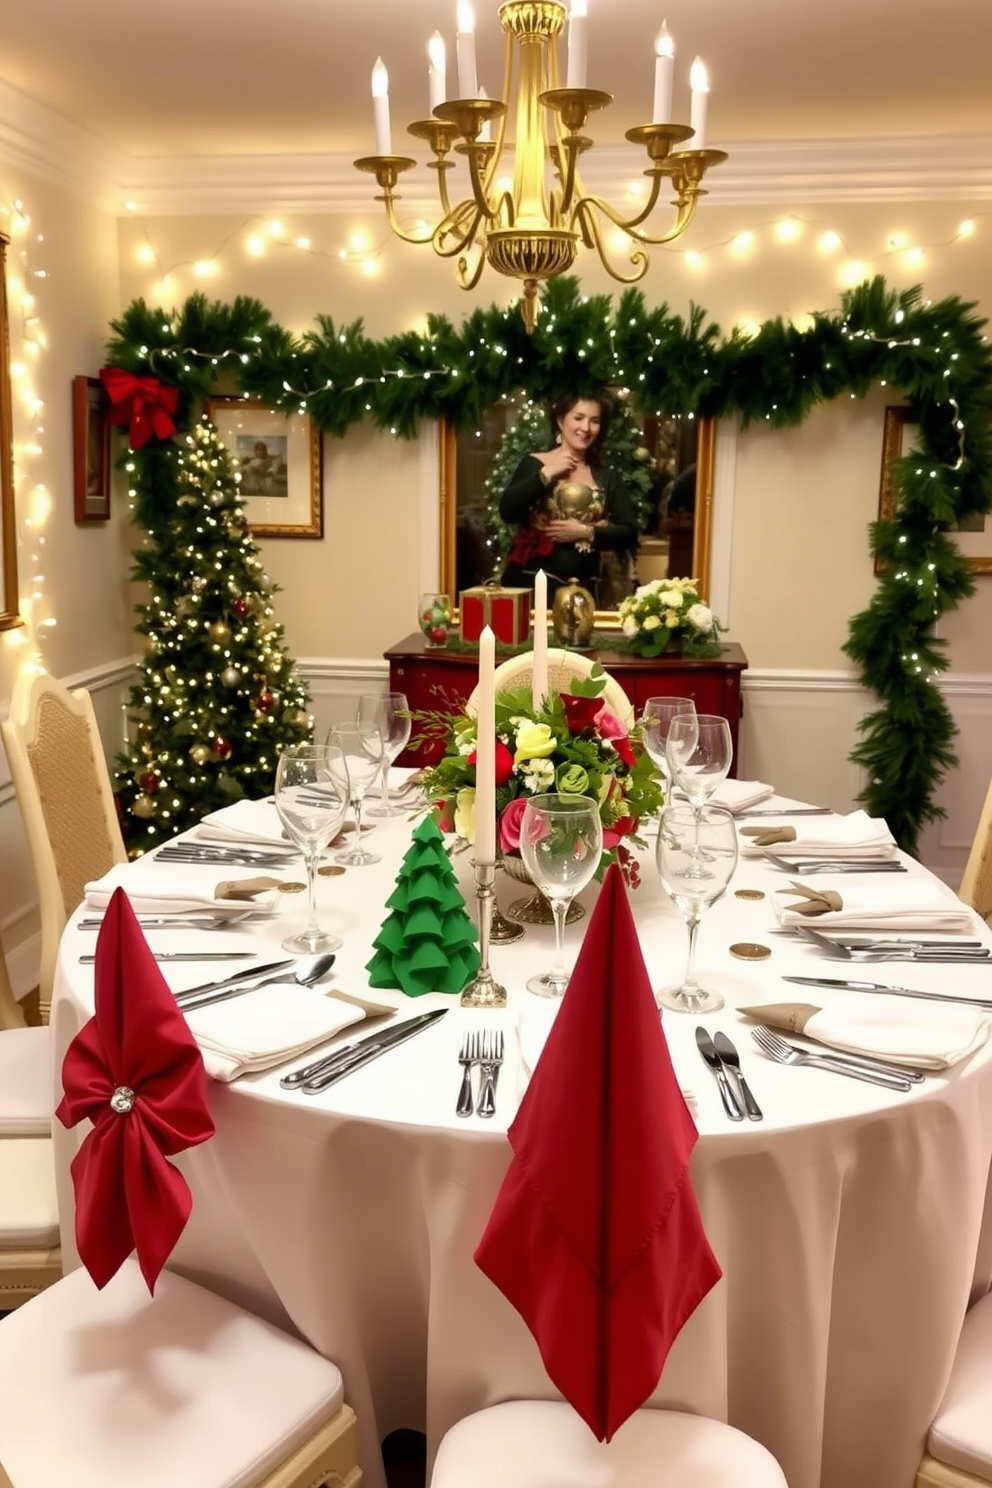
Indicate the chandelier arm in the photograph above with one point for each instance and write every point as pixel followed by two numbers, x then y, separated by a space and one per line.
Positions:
pixel 591 236
pixel 442 167
pixel 454 224
pixel 468 280
pixel 480 185
pixel 415 239
pixel 685 211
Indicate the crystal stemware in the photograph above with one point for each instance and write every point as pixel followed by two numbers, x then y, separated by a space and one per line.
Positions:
pixel 700 754
pixel 312 804
pixel 389 712
pixel 561 842
pixel 656 720
pixel 361 756
pixel 684 830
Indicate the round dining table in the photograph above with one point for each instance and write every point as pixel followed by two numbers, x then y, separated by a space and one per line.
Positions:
pixel 852 1223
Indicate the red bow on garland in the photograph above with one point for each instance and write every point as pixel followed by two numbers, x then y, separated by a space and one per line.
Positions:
pixel 142 402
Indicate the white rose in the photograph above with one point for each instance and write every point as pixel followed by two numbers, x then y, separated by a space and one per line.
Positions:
pixel 700 617
pixel 630 627
pixel 642 591
pixel 671 599
pixel 652 622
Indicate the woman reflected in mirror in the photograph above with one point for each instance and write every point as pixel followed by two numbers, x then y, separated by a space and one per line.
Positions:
pixel 566 505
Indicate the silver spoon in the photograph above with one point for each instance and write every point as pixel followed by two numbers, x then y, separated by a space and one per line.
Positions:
pixel 303 978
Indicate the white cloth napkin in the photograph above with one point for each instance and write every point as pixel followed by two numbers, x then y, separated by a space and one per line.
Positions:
pixel 263 1028
pixel 921 1034
pixel 856 835
pixel 738 795
pixel 533 1026
pixel 911 904
pixel 158 888
pixel 247 822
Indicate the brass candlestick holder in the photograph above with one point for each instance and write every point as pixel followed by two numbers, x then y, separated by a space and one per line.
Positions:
pixel 484 992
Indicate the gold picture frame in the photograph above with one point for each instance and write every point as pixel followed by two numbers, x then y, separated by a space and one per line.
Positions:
pixel 451 505
pixel 90 450
pixel 278 455
pixel 897 437
pixel 9 599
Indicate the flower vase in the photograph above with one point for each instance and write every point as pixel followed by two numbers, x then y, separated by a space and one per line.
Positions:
pixel 534 909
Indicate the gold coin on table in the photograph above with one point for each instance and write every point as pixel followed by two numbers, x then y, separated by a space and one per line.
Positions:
pixel 291 888
pixel 331 870
pixel 749 893
pixel 749 950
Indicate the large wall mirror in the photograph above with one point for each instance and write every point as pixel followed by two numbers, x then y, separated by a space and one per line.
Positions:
pixel 677 537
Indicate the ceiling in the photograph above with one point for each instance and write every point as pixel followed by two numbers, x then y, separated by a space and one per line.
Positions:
pixel 250 78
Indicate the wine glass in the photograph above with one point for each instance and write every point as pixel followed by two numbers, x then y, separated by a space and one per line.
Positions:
pixel 311 805
pixel 683 829
pixel 360 751
pixel 389 712
pixel 700 754
pixel 656 720
pixel 561 842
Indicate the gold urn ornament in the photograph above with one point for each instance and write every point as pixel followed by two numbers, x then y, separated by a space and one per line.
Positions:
pixel 574 499
pixel 573 614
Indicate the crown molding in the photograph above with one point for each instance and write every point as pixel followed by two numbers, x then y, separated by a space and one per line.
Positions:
pixel 48 147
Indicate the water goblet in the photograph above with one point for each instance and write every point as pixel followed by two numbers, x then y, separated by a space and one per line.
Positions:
pixel 683 830
pixel 700 754
pixel 389 712
pixel 360 759
pixel 311 805
pixel 656 721
pixel 561 842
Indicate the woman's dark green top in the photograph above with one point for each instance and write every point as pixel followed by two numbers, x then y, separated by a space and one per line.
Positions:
pixel 526 497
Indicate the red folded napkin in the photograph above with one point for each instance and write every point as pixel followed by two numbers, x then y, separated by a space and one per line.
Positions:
pixel 134 1070
pixel 596 1236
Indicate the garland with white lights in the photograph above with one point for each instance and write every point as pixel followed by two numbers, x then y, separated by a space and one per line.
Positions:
pixel 934 354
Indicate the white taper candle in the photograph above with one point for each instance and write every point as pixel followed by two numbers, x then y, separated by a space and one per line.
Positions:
pixel 576 74
pixel 539 674
pixel 485 753
pixel 664 71
pixel 380 108
pixel 468 82
pixel 699 82
pixel 438 72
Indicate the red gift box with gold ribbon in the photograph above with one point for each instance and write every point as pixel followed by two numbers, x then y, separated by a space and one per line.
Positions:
pixel 505 611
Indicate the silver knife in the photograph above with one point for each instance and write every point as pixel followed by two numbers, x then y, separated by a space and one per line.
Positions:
pixel 247 975
pixel 323 1072
pixel 89 960
pixel 853 986
pixel 732 1062
pixel 707 1049
pixel 787 811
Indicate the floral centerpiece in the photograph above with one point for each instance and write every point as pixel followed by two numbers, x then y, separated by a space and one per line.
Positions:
pixel 573 744
pixel 665 609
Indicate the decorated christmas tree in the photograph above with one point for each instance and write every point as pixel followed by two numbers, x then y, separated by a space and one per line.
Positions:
pixel 218 695
pixel 427 943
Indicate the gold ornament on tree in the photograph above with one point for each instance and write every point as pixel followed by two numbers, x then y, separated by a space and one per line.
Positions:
pixel 219 632
pixel 143 806
pixel 230 676
pixel 199 754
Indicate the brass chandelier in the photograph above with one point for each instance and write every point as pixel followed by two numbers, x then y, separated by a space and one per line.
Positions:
pixel 533 231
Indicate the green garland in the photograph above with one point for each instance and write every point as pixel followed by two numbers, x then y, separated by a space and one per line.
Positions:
pixel 933 354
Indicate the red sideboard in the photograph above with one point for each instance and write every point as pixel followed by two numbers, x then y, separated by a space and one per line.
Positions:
pixel 439 681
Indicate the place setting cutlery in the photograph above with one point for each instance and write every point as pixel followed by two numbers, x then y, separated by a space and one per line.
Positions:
pixel 868 942
pixel 210 992
pixel 845 984
pixel 205 921
pixel 721 1056
pixel 834 865
pixel 483 1050
pixel 956 954
pixel 854 1067
pixel 244 857
pixel 785 811
pixel 319 1074
pixel 89 959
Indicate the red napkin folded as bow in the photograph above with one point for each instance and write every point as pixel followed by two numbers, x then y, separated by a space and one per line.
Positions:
pixel 596 1237
pixel 134 1070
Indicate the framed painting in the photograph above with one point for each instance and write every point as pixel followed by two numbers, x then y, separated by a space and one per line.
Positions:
pixel 973 537
pixel 278 458
pixel 90 450
pixel 9 616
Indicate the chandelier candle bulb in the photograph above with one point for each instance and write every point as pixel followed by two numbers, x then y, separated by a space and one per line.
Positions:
pixel 485 754
pixel 539 672
pixel 380 108
pixel 486 132
pixel 664 75
pixel 468 82
pixel 699 82
pixel 438 71
pixel 576 74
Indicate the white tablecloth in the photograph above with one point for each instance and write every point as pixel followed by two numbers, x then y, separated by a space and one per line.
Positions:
pixel 849 1223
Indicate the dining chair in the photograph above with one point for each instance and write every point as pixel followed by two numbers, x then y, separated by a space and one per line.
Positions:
pixel 151 1391
pixel 517 671
pixel 63 788
pixel 959 1444
pixel 976 883
pixel 544 1443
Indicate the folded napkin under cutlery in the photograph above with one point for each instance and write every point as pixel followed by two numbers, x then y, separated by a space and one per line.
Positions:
pixel 857 835
pixel 247 823
pixel 157 888
pixel 269 1025
pixel 885 1028
pixel 738 795
pixel 904 904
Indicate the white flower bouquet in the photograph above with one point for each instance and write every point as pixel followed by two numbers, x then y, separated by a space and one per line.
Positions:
pixel 666 610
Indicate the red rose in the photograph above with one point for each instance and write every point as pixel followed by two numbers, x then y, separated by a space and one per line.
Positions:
pixel 613 836
pixel 504 762
pixel 580 712
pixel 445 815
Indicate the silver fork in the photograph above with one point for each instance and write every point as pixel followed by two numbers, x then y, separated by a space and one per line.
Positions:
pixel 468 1055
pixel 835 865
pixel 841 952
pixel 783 1052
pixel 489 1062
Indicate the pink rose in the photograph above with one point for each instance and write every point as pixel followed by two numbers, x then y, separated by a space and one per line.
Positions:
pixel 611 727
pixel 509 825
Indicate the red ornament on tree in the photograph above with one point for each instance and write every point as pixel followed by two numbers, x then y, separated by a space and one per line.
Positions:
pixel 222 749
pixel 266 702
pixel 240 607
pixel 149 782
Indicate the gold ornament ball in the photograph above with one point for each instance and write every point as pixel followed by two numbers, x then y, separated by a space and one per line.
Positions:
pixel 143 806
pixel 219 632
pixel 642 455
pixel 198 584
pixel 230 676
pixel 216 498
pixel 199 754
pixel 301 720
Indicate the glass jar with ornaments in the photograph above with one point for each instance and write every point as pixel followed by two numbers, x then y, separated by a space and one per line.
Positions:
pixel 435 618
